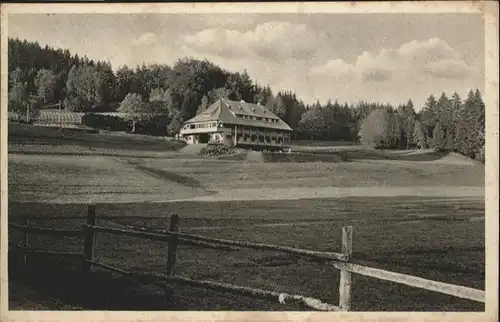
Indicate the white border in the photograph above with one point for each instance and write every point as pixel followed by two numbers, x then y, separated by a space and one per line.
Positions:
pixel 490 12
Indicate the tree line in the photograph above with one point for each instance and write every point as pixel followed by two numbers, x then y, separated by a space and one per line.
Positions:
pixel 169 95
pixel 449 124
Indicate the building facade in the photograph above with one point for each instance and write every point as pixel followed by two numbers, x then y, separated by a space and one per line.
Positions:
pixel 241 124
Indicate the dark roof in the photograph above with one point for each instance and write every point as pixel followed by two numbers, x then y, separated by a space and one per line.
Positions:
pixel 226 111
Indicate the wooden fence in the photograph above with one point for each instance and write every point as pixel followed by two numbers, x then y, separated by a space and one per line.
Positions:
pixel 341 261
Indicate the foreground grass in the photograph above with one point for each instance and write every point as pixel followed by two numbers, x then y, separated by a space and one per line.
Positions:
pixel 437 239
pixel 441 239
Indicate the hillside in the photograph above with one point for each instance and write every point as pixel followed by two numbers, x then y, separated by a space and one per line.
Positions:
pixel 179 92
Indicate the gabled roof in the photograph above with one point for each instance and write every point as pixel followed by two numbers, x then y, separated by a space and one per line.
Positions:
pixel 227 111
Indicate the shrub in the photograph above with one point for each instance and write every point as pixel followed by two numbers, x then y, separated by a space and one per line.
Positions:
pixel 217 149
pixel 105 122
pixel 156 126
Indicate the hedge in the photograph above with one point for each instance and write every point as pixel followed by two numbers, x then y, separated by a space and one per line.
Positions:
pixel 155 127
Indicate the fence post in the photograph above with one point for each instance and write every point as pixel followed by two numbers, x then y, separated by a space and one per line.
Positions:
pixel 26 240
pixel 345 276
pixel 172 244
pixel 88 244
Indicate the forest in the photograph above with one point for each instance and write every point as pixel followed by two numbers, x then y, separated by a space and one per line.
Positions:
pixel 41 76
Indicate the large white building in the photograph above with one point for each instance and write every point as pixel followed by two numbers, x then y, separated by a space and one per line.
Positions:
pixel 241 124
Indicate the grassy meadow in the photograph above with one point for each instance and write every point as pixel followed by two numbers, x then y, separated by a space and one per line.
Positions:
pixel 420 213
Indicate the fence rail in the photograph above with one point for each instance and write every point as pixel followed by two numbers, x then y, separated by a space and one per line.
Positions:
pixel 341 261
pixel 188 237
pixel 26 250
pixel 440 287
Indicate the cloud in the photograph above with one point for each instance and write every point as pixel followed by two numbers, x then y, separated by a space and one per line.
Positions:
pixel 222 20
pixel 449 69
pixel 433 57
pixel 377 75
pixel 274 40
pixel 423 52
pixel 417 60
pixel 334 67
pixel 147 38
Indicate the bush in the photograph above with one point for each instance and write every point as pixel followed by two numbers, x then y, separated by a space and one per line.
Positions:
pixel 217 149
pixel 157 126
pixel 105 122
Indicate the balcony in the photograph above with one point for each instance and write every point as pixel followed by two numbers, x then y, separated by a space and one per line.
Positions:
pixel 198 130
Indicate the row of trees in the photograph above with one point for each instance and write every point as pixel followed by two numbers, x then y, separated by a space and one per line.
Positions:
pixel 41 76
pixel 443 124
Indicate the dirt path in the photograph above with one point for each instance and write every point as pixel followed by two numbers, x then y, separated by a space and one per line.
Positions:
pixel 463 192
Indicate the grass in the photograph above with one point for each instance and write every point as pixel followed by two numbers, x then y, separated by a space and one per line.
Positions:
pixel 48 140
pixel 227 175
pixel 421 234
pixel 384 236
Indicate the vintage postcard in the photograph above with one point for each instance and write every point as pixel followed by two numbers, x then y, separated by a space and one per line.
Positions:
pixel 249 161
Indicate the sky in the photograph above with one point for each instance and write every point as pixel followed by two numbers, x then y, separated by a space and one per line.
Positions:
pixel 346 57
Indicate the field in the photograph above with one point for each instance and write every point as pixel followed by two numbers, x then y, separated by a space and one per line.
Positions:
pixel 415 212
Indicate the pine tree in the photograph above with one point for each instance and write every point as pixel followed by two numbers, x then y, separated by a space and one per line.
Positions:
pixel 451 133
pixel 428 115
pixel 437 137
